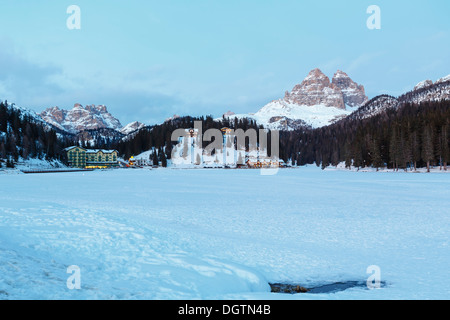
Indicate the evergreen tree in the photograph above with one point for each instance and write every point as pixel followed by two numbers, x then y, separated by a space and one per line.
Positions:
pixel 445 147
pixel 155 158
pixel 427 149
pixel 163 160
pixel 375 154
pixel 394 149
pixel 348 156
pixel 3 118
pixel 415 149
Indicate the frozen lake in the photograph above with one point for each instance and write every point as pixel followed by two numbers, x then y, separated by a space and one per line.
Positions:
pixel 223 234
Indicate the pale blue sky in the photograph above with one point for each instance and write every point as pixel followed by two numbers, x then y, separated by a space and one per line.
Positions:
pixel 147 60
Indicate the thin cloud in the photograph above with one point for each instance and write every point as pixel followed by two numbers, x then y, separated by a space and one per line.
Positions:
pixel 20 77
pixel 362 61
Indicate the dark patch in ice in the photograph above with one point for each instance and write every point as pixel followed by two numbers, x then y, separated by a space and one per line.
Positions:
pixel 319 288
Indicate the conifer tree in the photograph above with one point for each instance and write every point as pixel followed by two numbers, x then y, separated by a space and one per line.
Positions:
pixel 427 146
pixel 163 160
pixel 377 162
pixel 155 158
pixel 445 145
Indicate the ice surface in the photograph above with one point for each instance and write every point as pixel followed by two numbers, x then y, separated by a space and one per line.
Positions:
pixel 223 234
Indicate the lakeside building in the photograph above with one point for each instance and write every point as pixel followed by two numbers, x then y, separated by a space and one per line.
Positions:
pixel 78 157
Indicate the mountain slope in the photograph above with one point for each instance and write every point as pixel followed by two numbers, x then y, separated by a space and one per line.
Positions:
pixel 425 91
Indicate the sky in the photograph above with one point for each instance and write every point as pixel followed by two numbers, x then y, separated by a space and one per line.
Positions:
pixel 148 60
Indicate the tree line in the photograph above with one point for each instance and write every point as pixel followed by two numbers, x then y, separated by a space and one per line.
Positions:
pixel 22 136
pixel 407 137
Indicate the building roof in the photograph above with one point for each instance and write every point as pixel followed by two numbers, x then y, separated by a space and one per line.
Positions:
pixel 100 150
pixel 91 150
pixel 70 148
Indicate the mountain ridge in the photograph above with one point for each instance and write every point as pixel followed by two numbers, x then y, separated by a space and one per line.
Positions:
pixel 334 100
pixel 315 102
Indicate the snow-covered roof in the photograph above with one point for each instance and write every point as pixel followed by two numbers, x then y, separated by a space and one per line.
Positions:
pixel 73 147
pixel 91 150
pixel 100 150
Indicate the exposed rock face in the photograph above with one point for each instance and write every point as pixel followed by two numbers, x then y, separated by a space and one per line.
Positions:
pixel 284 123
pixel 81 118
pixel 316 89
pixel 354 95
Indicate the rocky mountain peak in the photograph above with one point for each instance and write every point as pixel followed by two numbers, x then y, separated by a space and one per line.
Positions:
pixel 354 95
pixel 316 89
pixel 314 76
pixel 81 118
pixel 96 109
pixel 315 102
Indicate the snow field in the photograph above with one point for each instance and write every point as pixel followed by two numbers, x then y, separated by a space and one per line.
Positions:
pixel 223 234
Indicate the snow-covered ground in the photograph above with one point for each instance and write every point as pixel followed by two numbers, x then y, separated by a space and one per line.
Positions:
pixel 433 169
pixel 32 164
pixel 223 234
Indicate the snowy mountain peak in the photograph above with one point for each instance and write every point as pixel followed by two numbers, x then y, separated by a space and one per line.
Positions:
pixel 316 89
pixel 340 74
pixel 316 75
pixel 315 102
pixel 81 118
pixel 428 91
pixel 423 84
pixel 444 79
pixel 131 127
pixel 354 94
pixel 428 83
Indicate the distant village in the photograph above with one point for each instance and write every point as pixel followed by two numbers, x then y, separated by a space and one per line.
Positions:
pixel 84 158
